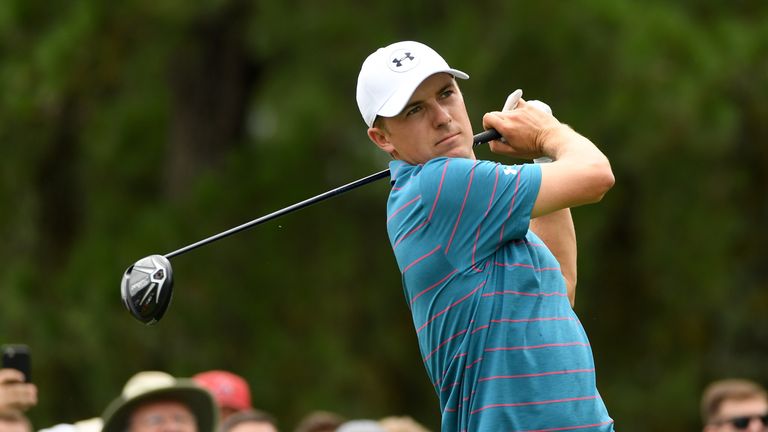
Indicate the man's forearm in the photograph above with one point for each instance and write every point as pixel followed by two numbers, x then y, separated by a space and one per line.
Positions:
pixel 557 231
pixel 580 173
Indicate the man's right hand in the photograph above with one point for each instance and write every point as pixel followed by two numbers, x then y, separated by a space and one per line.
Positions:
pixel 15 394
pixel 580 173
pixel 523 128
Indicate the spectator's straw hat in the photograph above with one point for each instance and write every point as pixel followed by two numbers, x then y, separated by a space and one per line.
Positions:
pixel 150 386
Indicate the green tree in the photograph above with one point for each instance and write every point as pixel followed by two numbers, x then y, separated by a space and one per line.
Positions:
pixel 138 127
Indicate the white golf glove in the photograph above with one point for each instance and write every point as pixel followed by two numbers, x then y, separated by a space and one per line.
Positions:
pixel 511 103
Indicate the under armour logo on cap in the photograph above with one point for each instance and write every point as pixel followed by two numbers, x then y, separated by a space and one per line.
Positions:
pixel 403 61
pixel 391 74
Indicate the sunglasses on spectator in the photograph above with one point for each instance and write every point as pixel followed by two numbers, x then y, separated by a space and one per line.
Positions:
pixel 743 422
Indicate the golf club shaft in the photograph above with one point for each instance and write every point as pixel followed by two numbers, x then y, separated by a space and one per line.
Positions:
pixel 482 137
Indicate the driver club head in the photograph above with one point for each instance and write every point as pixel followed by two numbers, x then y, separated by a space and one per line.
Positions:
pixel 147 287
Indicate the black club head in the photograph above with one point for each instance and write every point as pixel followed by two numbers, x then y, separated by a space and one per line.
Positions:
pixel 147 288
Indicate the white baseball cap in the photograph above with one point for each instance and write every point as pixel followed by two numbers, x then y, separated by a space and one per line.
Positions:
pixel 390 75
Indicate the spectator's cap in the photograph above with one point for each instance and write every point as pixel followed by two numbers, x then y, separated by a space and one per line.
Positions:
pixel 361 425
pixel 401 424
pixel 88 425
pixel 229 390
pixel 152 386
pixel 94 424
pixel 391 74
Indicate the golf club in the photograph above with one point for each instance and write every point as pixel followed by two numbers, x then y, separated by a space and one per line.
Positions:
pixel 147 285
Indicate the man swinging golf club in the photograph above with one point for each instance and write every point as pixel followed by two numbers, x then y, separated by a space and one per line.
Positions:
pixel 487 251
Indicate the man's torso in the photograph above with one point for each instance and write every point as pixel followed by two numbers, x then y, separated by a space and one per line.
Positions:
pixel 498 337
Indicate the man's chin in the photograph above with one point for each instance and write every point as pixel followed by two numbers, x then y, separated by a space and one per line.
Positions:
pixel 459 152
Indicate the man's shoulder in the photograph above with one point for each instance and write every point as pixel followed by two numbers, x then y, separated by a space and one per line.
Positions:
pixel 446 166
pixel 442 171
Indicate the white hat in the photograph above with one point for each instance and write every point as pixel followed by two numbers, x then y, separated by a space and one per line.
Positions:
pixel 88 425
pixel 390 75
pixel 150 385
pixel 361 425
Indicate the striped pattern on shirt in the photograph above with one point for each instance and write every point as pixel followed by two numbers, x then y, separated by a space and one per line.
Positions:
pixel 500 342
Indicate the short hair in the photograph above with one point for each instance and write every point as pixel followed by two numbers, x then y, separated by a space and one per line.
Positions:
pixel 378 122
pixel 245 416
pixel 728 389
pixel 320 421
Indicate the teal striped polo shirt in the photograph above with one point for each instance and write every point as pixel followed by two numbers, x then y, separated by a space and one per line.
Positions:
pixel 499 340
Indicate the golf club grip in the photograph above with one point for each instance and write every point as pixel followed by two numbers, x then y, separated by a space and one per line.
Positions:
pixel 480 138
pixel 485 136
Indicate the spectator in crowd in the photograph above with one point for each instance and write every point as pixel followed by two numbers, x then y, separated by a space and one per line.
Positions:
pixel 320 421
pixel 16 396
pixel 401 424
pixel 361 425
pixel 231 392
pixel 734 405
pixel 88 425
pixel 14 421
pixel 249 421
pixel 154 401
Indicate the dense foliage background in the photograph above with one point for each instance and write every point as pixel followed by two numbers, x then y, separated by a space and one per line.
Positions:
pixel 136 127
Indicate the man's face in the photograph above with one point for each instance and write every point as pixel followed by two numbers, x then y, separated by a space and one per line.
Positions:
pixel 433 123
pixel 740 415
pixel 253 426
pixel 14 425
pixel 162 416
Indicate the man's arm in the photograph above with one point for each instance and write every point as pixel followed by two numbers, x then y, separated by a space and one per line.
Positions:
pixel 556 230
pixel 580 173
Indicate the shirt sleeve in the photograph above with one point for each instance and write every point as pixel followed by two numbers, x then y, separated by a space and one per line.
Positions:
pixel 477 206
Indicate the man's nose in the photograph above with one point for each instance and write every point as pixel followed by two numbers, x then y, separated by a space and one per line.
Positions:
pixel 756 425
pixel 441 115
pixel 177 425
pixel 173 427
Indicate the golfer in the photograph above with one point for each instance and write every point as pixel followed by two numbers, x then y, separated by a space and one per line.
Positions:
pixel 487 251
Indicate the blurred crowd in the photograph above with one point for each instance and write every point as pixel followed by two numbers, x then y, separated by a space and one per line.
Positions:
pixel 156 401
pixel 220 401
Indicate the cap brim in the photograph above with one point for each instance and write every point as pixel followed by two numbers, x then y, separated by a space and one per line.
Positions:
pixel 399 99
pixel 117 415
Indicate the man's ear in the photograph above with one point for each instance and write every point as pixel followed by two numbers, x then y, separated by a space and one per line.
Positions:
pixel 381 139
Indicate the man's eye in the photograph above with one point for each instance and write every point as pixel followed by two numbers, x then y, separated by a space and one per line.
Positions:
pixel 413 110
pixel 447 93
